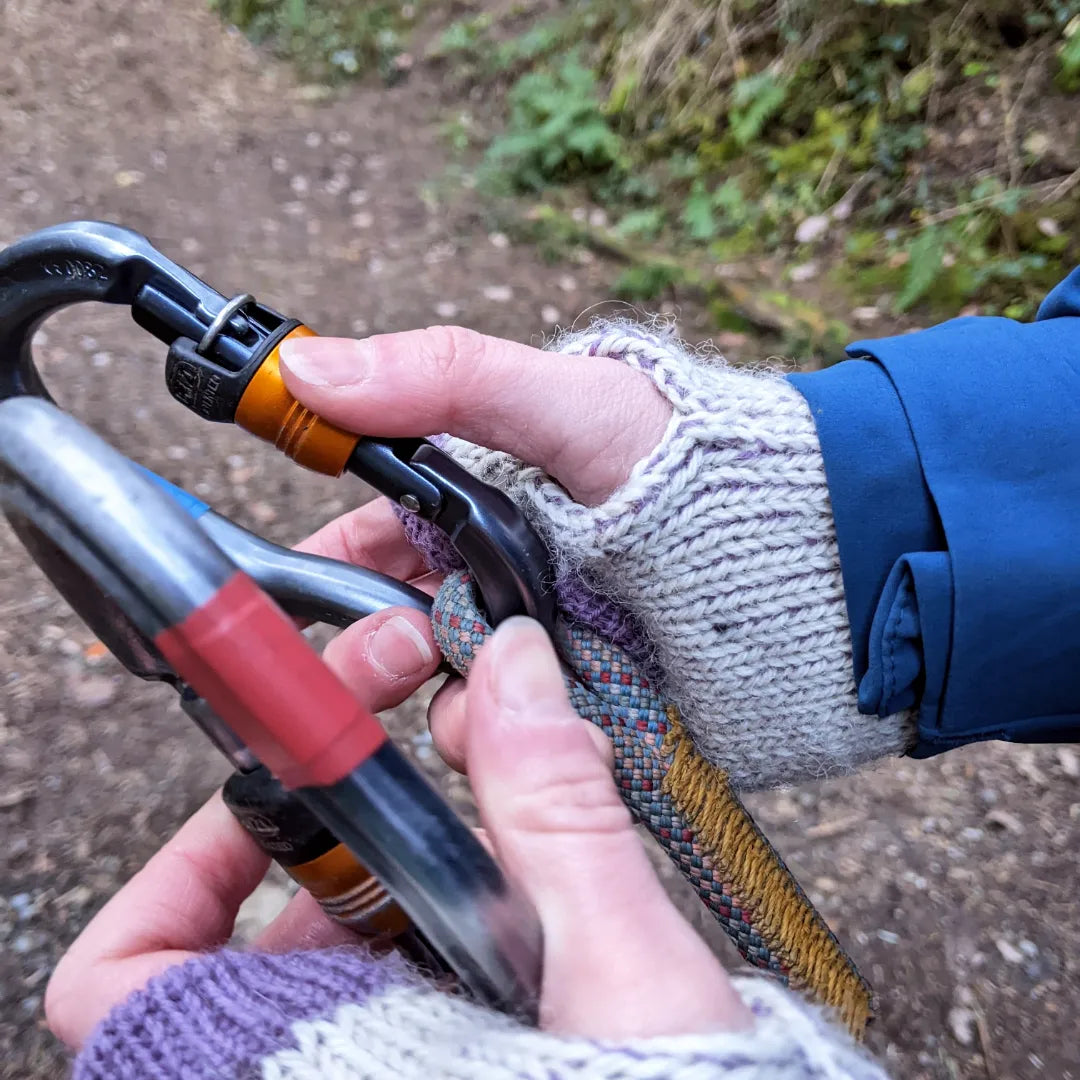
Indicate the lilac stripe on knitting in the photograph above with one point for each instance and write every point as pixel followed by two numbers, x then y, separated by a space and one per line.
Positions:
pixel 576 597
pixel 218 1015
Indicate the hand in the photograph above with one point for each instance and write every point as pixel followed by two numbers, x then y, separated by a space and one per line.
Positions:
pixel 586 423
pixel 185 900
pixel 618 962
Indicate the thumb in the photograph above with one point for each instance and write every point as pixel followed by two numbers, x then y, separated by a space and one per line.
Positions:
pixel 587 423
pixel 619 960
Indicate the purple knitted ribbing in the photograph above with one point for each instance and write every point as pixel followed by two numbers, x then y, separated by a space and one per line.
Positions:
pixel 577 598
pixel 216 1016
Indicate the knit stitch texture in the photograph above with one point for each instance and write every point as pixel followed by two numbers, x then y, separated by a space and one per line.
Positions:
pixel 216 1016
pixel 410 1034
pixel 341 1014
pixel 721 551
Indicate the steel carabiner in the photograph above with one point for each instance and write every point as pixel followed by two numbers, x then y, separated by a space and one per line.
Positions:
pixel 171 605
pixel 223 365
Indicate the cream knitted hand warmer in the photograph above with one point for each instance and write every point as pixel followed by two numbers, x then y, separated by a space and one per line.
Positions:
pixel 412 1034
pixel 722 544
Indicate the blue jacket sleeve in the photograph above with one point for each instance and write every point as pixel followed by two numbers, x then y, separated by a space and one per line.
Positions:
pixel 953 462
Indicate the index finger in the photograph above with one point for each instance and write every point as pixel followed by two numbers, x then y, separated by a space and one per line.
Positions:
pixel 370 536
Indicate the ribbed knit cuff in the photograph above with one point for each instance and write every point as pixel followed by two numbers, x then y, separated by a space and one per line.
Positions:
pixel 217 1016
pixel 722 550
pixel 413 1034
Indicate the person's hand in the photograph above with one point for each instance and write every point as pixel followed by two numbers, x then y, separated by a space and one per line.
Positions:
pixel 619 960
pixel 185 900
pixel 586 424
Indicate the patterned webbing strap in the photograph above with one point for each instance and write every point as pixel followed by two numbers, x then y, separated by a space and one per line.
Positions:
pixel 688 806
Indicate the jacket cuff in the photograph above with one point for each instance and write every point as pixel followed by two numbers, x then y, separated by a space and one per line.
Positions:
pixel 951 456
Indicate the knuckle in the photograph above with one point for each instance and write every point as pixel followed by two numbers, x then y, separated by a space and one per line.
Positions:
pixel 587 806
pixel 455 356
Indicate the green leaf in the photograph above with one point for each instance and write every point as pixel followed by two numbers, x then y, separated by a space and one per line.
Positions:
pixel 754 100
pixel 643 223
pixel 925 257
pixel 698 214
pixel 297 14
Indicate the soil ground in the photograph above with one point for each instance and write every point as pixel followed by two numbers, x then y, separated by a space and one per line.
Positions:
pixel 953 881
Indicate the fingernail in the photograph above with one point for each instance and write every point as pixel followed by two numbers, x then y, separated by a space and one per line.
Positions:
pixel 398 649
pixel 327 361
pixel 524 672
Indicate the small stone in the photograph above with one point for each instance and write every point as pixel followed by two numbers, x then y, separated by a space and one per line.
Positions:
pixel 889 937
pixel 972 834
pixel 93 691
pixel 499 240
pixel 1048 226
pixel 567 283
pixel 498 294
pixel 1069 762
pixel 279 163
pixel 598 218
pixel 962 1025
pixel 357 197
pixel 23 905
pixel 579 214
pixel 101 359
pixel 1009 952
pixel 313 139
pixel 1004 820
pixel 15 794
pixel 447 309
pixel 359 326
pixel 300 185
pixel 812 229
pixel 340 138
pixel 263 513
pixel 1029 948
pixel 176 452
pixel 403 61
pixel 1036 143
pixel 363 219
pixel 78 897
pixel 126 178
pixel 550 314
pixel 865 315
pixel 804 272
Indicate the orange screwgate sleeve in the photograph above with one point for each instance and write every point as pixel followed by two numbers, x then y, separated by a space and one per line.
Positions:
pixel 268 410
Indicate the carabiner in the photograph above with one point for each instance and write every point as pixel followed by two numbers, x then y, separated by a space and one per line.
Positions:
pixel 223 365
pixel 167 600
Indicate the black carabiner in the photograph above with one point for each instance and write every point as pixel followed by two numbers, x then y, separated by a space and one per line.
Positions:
pixel 222 364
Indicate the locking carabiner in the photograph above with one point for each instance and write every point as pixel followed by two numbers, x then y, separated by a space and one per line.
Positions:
pixel 135 564
pixel 223 365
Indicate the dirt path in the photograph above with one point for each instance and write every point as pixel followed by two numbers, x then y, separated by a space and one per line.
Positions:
pixel 952 881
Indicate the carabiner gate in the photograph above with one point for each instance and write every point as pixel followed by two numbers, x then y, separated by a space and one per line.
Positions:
pixel 223 365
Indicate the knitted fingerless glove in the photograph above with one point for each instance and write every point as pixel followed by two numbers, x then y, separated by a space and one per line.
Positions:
pixel 340 1014
pixel 721 552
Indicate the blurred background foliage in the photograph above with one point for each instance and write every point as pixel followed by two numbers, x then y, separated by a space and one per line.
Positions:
pixel 908 154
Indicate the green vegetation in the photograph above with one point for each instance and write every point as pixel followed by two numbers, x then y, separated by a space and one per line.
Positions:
pixel 329 40
pixel 909 151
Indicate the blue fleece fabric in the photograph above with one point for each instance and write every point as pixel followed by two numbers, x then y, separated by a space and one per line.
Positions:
pixel 953 462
